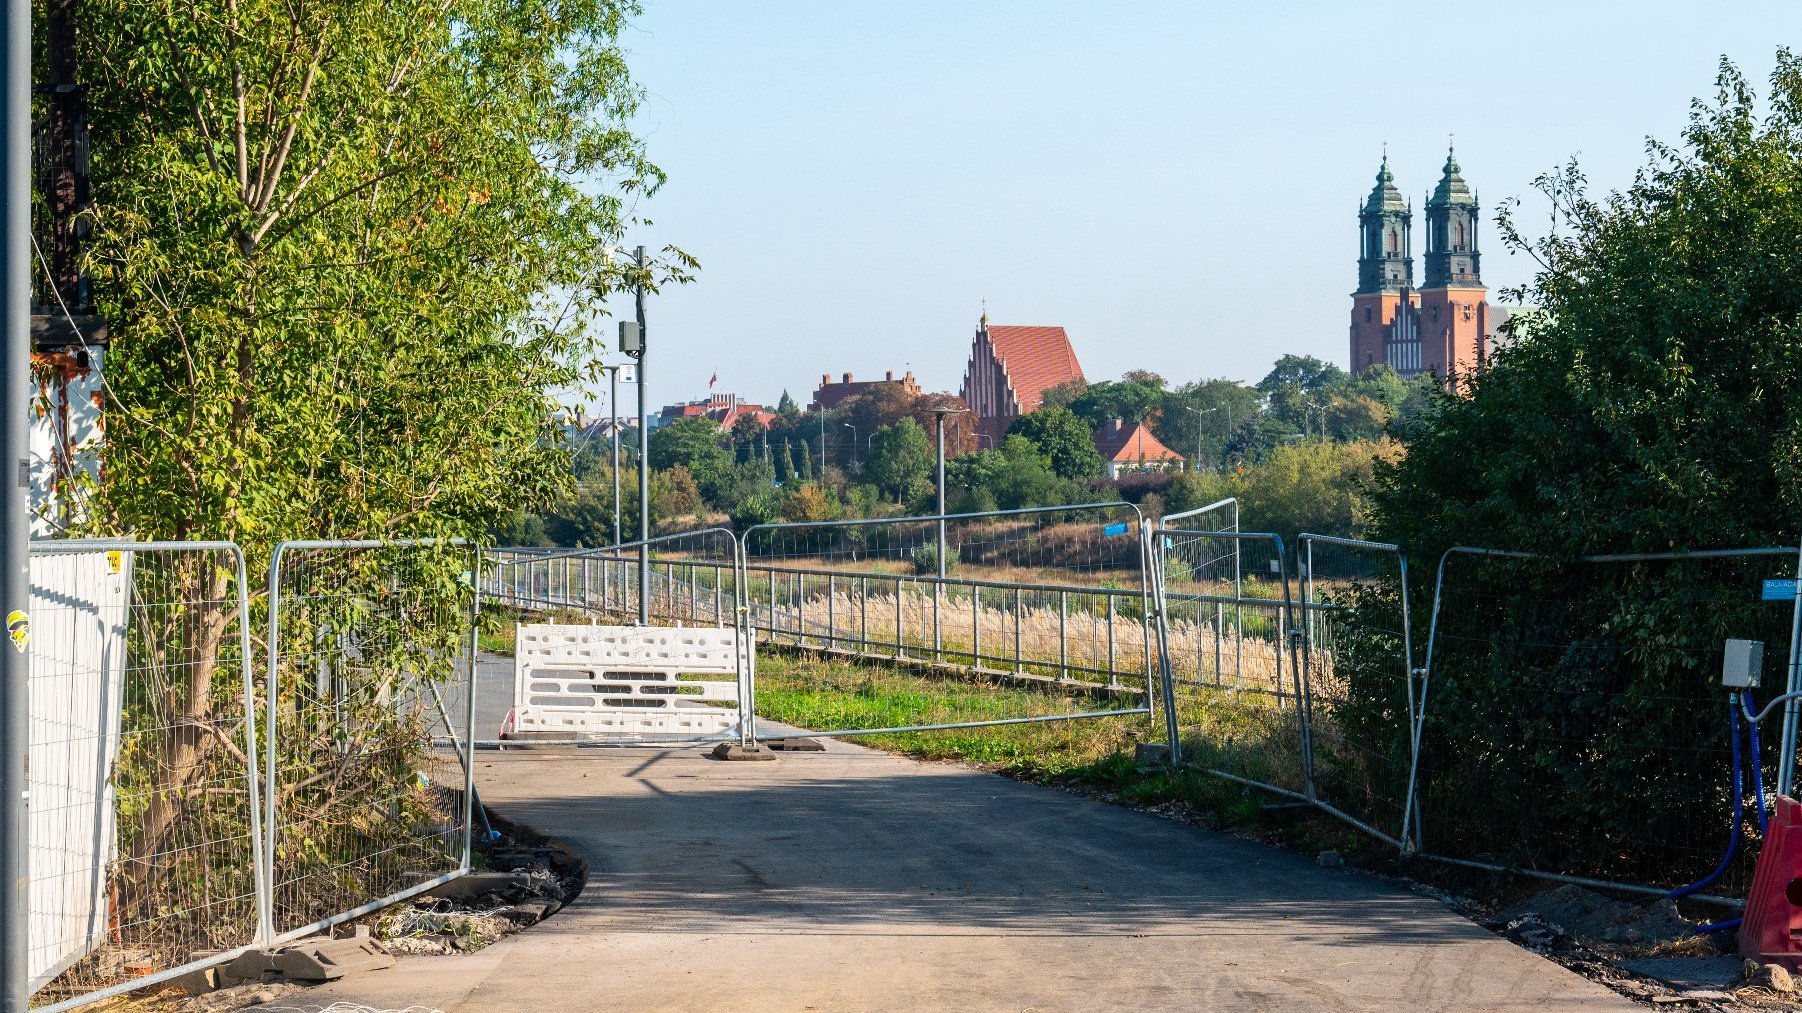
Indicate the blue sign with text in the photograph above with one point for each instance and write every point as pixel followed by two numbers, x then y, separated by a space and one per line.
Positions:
pixel 1115 529
pixel 1780 590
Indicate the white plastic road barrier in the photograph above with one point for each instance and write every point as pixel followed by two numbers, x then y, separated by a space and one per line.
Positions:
pixel 624 682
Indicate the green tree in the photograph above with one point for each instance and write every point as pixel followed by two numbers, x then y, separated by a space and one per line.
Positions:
pixel 1128 400
pixel 900 460
pixel 1224 406
pixel 346 254
pixel 693 443
pixel 746 432
pixel 1023 477
pixel 1063 438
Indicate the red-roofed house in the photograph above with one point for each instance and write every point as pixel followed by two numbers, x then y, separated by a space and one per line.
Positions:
pixel 725 409
pixel 1010 369
pixel 1133 448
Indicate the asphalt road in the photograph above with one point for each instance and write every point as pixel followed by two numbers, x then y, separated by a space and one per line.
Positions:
pixel 855 880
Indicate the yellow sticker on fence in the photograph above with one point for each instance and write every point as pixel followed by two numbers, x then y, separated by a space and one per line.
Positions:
pixel 18 626
pixel 116 560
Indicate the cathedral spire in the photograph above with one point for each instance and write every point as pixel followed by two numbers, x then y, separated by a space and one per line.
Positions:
pixel 1452 257
pixel 1386 223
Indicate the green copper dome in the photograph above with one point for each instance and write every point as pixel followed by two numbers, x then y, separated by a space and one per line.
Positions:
pixel 1384 196
pixel 1451 189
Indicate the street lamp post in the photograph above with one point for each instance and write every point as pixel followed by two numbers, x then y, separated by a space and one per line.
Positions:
pixel 613 428
pixel 15 508
pixel 1199 415
pixel 631 342
pixel 853 429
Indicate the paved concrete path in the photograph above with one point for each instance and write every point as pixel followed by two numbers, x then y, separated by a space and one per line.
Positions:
pixel 855 880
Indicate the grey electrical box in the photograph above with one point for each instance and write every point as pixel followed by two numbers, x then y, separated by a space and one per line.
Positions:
pixel 1742 664
pixel 630 341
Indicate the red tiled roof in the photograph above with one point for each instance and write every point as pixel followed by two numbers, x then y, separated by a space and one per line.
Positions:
pixel 1036 359
pixel 1132 444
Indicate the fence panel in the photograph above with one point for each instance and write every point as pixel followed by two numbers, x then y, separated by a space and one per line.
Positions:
pixel 1358 670
pixel 1574 718
pixel 143 837
pixel 995 618
pixel 691 579
pixel 363 810
pixel 1228 615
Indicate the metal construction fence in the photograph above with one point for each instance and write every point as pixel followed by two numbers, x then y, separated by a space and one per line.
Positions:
pixel 1233 666
pixel 1581 702
pixel 1003 617
pixel 359 803
pixel 1565 719
pixel 191 798
pixel 143 838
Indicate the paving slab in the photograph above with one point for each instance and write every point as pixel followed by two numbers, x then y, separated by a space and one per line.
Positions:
pixel 855 880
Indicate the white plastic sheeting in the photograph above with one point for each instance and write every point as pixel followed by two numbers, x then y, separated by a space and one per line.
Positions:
pixel 79 621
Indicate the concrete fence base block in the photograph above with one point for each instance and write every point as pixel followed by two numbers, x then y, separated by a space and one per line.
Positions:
pixel 1151 754
pixel 735 751
pixel 316 959
pixel 798 744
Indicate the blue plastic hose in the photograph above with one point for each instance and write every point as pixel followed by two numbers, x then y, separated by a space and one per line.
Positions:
pixel 1757 773
pixel 1731 923
pixel 1739 803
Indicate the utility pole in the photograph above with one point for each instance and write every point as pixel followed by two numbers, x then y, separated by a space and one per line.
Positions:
pixel 613 427
pixel 938 417
pixel 15 493
pixel 822 443
pixel 644 460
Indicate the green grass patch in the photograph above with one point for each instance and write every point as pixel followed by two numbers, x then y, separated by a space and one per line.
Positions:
pixel 833 695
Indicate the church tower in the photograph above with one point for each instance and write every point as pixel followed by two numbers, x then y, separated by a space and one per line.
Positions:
pixel 1381 324
pixel 1454 310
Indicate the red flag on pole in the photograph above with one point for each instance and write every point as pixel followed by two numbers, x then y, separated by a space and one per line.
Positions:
pixel 715 378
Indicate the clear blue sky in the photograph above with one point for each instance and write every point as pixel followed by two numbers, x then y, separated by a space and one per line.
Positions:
pixel 1176 184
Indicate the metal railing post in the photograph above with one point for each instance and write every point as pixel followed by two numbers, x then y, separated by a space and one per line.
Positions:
pixel 1112 673
pixel 1019 657
pixel 975 626
pixel 1063 643
pixel 831 611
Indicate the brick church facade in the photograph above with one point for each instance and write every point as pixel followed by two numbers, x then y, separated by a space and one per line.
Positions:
pixel 1443 327
pixel 1010 369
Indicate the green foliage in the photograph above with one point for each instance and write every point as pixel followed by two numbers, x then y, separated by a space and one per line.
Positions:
pixel 901 458
pixel 1223 405
pixel 1317 487
pixel 344 275
pixel 1128 400
pixel 1063 438
pixel 925 559
pixel 693 443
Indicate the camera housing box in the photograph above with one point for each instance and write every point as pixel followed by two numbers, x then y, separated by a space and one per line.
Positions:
pixel 630 340
pixel 1742 663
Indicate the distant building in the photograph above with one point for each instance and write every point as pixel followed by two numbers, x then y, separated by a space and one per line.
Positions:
pixel 725 409
pixel 831 395
pixel 1522 318
pixel 1010 369
pixel 1129 448
pixel 1443 328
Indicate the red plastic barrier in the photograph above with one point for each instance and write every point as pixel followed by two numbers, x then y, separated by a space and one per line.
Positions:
pixel 1771 932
